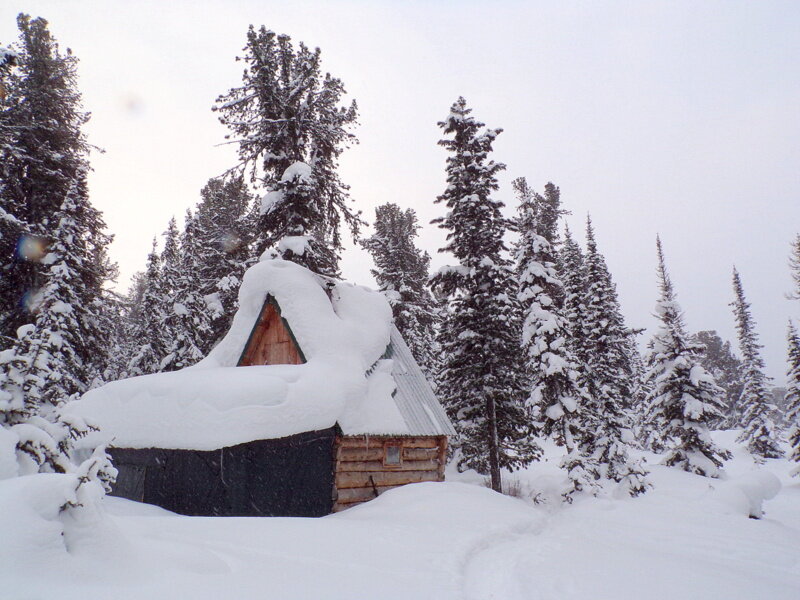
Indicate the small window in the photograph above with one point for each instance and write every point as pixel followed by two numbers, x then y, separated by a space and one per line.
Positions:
pixel 392 456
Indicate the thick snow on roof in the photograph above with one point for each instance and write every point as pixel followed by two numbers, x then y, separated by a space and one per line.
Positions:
pixel 215 403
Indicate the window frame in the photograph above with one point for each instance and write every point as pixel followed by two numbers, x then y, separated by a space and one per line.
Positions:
pixel 386 462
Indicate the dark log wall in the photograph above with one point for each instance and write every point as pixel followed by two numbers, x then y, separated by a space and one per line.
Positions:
pixel 287 477
pixel 362 472
pixel 270 342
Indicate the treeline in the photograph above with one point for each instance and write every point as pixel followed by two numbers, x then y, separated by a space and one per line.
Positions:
pixel 522 343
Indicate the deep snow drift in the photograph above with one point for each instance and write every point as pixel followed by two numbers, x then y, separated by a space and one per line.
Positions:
pixel 690 537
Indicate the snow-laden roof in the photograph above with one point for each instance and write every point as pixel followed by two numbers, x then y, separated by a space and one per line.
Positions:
pixel 216 404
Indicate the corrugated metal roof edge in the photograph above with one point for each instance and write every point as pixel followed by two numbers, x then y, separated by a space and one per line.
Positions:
pixel 414 396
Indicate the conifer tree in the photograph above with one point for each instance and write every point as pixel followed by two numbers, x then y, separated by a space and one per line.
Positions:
pixel 556 398
pixel 291 130
pixel 50 362
pixel 223 230
pixel 402 275
pixel 149 346
pixel 683 396
pixel 640 390
pixel 719 360
pixel 481 379
pixel 170 270
pixel 756 399
pixel 10 225
pixel 40 161
pixel 794 266
pixel 572 272
pixel 793 396
pixel 187 313
pixel 608 374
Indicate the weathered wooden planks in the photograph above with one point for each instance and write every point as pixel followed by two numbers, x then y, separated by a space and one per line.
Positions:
pixel 377 441
pixel 420 453
pixel 270 342
pixel 377 466
pixel 363 494
pixel 361 472
pixel 354 479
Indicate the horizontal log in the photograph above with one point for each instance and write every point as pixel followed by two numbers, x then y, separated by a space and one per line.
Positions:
pixel 377 441
pixel 360 454
pixel 377 466
pixel 420 453
pixel 376 453
pixel 362 494
pixel 355 480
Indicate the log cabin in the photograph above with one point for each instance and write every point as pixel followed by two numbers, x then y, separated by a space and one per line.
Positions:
pixel 311 404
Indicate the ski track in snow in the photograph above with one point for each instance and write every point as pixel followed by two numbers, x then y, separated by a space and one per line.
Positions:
pixel 499 554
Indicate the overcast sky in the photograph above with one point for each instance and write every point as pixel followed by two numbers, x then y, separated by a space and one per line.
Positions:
pixel 678 118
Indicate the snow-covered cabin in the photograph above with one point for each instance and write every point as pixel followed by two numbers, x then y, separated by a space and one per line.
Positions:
pixel 311 403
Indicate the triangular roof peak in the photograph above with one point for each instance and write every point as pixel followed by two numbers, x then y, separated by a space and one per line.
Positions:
pixel 271 340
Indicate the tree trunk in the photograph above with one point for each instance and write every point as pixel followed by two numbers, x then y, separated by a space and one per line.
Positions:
pixel 494 450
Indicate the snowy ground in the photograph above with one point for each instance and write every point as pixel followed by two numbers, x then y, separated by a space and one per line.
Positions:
pixel 690 537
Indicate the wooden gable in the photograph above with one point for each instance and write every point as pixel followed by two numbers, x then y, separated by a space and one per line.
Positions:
pixel 271 341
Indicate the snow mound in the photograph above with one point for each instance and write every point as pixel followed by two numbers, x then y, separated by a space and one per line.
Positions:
pixel 34 524
pixel 746 494
pixel 215 404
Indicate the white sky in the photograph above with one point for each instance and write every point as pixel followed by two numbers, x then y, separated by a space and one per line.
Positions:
pixel 673 117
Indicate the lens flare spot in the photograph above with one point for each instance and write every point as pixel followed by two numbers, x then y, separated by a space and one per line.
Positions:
pixel 230 242
pixel 32 301
pixel 31 248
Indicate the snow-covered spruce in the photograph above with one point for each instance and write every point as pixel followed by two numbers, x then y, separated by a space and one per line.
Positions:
pixel 572 274
pixel 718 359
pixel 148 340
pixel 481 377
pixel 291 130
pixel 402 274
pixel 683 396
pixel 224 224
pixel 607 374
pixel 187 315
pixel 41 160
pixel 45 367
pixel 556 398
pixel 758 430
pixel 794 265
pixel 793 396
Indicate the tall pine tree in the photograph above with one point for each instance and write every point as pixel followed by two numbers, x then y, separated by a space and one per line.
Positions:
pixel 401 272
pixel 719 360
pixel 291 128
pixel 481 378
pixel 54 265
pixel 556 397
pixel 42 159
pixel 756 399
pixel 572 272
pixel 50 363
pixel 683 397
pixel 608 373
pixel 794 266
pixel 793 396
pixel 149 346
pixel 223 230
pixel 188 318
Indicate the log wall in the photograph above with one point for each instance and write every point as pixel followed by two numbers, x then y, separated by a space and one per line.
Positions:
pixel 362 474
pixel 270 342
